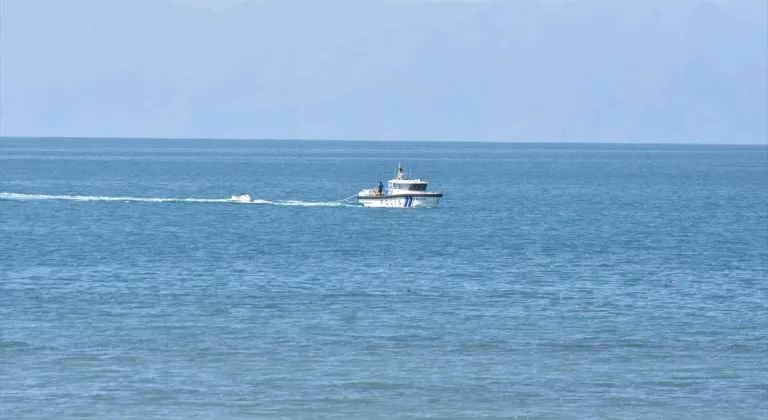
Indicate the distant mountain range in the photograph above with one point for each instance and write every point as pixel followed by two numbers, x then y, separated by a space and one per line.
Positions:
pixel 525 70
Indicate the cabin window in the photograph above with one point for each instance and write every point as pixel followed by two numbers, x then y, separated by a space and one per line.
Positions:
pixel 410 187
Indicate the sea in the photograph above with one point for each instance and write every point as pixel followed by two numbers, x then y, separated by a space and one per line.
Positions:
pixel 553 281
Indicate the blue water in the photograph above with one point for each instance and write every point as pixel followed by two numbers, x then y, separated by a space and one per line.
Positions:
pixel 552 282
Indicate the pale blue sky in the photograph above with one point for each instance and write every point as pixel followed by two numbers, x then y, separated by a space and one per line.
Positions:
pixel 684 71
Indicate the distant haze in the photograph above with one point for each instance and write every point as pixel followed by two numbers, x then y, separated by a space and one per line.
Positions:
pixel 683 71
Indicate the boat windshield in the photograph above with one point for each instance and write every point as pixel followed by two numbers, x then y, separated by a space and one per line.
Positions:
pixel 410 187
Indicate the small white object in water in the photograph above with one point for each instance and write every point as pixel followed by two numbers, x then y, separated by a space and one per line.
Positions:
pixel 242 198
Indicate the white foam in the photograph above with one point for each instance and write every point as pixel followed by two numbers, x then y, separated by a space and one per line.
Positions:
pixel 294 203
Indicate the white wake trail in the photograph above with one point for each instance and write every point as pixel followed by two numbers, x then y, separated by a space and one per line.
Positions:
pixel 293 203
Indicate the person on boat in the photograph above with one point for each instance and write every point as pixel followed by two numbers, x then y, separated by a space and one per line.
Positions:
pixel 381 187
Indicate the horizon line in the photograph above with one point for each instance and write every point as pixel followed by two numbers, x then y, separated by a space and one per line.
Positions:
pixel 130 138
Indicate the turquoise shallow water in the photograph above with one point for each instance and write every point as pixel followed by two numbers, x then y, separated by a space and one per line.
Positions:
pixel 552 282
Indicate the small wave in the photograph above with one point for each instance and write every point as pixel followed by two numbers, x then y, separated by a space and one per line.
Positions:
pixel 295 203
pixel 15 344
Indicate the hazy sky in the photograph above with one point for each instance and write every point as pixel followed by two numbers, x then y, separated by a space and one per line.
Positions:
pixel 687 71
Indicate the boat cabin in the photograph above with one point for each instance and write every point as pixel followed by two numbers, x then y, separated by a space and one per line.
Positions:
pixel 406 186
pixel 401 185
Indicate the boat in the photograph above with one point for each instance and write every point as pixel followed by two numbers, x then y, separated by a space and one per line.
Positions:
pixel 242 198
pixel 401 192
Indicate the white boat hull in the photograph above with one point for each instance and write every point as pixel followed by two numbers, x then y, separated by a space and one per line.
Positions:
pixel 400 201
